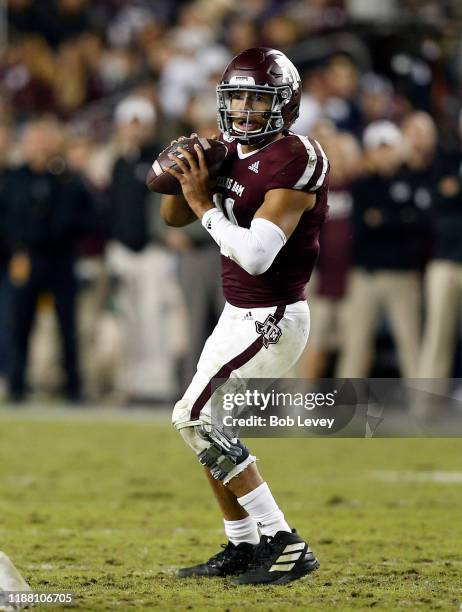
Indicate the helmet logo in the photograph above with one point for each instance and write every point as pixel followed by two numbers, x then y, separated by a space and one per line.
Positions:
pixel 289 72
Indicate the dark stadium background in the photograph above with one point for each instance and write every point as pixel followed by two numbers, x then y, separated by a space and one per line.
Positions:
pixel 143 302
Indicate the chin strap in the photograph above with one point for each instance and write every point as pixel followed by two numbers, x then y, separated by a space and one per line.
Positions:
pixel 262 140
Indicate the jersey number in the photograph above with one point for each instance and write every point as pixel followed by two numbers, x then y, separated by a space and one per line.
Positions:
pixel 225 206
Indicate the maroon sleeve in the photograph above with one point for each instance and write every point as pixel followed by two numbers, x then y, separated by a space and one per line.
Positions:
pixel 302 165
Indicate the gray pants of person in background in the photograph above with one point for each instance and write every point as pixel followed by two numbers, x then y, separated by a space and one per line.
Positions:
pixel 200 279
pixel 395 294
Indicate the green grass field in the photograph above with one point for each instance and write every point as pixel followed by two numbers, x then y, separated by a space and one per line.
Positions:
pixel 109 508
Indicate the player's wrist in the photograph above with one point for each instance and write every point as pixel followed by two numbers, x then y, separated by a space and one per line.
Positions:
pixel 207 214
pixel 201 208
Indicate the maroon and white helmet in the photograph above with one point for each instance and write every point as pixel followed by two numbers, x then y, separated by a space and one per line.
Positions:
pixel 260 70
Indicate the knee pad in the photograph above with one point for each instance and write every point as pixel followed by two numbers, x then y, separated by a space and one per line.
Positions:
pixel 223 453
pixel 225 457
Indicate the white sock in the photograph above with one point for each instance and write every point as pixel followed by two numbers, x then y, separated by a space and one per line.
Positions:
pixel 262 507
pixel 244 530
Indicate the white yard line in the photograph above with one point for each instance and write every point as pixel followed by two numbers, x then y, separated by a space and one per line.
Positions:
pixel 437 476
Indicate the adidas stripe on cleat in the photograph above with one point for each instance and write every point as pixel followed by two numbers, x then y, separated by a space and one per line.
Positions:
pixel 279 559
pixel 232 560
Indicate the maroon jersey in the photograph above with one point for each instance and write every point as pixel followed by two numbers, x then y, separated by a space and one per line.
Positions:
pixel 292 162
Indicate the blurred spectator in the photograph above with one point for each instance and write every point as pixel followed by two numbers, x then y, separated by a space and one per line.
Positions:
pixel 118 70
pixel 82 155
pixel 331 91
pixel 376 98
pixel 420 135
pixel 188 73
pixel 5 288
pixel 126 23
pixel 91 48
pixel 240 34
pixel 342 80
pixel 314 97
pixel 386 257
pixel 147 294
pixel 314 17
pixel 327 303
pixel 443 279
pixel 70 81
pixel 26 76
pixel 48 209
pixel 202 107
pixel 135 119
pixel 424 167
pixel 279 32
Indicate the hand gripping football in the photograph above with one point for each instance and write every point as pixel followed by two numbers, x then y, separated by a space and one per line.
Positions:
pixel 162 182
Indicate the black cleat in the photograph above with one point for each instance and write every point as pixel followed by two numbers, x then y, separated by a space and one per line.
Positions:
pixel 279 559
pixel 232 560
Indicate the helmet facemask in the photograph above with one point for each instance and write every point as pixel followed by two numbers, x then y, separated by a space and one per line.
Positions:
pixel 274 119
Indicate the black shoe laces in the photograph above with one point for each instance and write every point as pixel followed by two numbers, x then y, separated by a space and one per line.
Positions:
pixel 222 556
pixel 263 553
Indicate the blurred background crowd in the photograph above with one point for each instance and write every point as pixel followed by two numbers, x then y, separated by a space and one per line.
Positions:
pixel 100 301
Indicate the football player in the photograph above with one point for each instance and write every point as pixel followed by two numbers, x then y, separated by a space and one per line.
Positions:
pixel 265 212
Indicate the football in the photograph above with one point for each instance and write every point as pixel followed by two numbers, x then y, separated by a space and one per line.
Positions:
pixel 162 182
